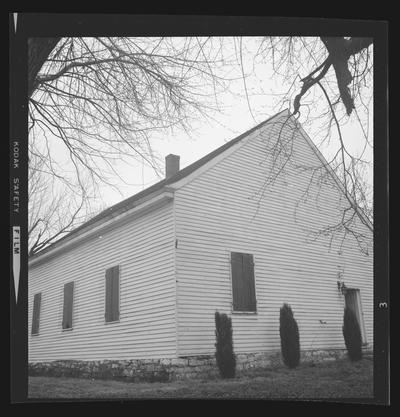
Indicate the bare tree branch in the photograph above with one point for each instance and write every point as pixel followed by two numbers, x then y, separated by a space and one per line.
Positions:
pixel 340 50
pixel 38 52
pixel 95 101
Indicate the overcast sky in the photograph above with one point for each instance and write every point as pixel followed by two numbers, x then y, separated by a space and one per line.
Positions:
pixel 264 88
pixel 237 115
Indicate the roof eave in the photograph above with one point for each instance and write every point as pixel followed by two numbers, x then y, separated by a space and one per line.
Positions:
pixel 151 202
pixel 149 193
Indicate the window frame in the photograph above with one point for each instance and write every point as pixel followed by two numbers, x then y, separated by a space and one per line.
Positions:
pixel 357 291
pixel 242 312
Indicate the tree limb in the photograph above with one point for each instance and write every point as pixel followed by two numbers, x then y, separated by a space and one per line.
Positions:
pixel 340 50
pixel 38 51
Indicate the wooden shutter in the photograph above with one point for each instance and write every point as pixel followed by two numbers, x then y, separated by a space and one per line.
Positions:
pixel 68 305
pixel 112 294
pixel 236 265
pixel 115 294
pixel 109 277
pixel 36 313
pixel 243 287
pixel 249 286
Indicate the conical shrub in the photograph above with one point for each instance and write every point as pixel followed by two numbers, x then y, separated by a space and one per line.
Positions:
pixel 290 341
pixel 224 354
pixel 352 335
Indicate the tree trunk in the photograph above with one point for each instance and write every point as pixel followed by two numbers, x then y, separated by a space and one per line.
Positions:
pixel 38 51
pixel 340 50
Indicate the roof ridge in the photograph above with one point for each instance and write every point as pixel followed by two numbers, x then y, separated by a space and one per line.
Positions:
pixel 126 203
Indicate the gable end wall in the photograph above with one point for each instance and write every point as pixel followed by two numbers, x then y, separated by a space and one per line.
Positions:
pixel 228 208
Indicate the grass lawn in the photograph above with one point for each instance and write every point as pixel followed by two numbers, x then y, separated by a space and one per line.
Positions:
pixel 338 379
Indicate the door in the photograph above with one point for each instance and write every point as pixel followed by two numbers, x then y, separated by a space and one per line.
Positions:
pixel 353 302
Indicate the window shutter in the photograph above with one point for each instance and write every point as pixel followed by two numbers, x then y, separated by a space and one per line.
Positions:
pixel 109 287
pixel 237 282
pixel 112 294
pixel 248 278
pixel 68 305
pixel 243 286
pixel 36 313
pixel 115 294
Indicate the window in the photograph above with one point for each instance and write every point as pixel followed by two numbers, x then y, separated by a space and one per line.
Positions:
pixel 112 294
pixel 68 305
pixel 243 286
pixel 36 313
pixel 353 302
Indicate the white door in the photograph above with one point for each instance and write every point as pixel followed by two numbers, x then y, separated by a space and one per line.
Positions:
pixel 353 302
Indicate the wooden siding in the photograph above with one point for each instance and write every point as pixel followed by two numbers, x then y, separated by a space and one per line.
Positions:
pixel 144 250
pixel 226 209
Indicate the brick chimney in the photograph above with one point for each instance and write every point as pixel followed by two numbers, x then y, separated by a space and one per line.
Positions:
pixel 171 165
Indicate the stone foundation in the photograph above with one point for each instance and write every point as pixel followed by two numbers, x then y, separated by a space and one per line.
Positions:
pixel 163 370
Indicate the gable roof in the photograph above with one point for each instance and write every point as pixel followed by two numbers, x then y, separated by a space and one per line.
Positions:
pixel 161 186
pixel 138 198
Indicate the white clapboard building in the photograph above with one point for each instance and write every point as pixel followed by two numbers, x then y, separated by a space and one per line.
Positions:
pixel 250 226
